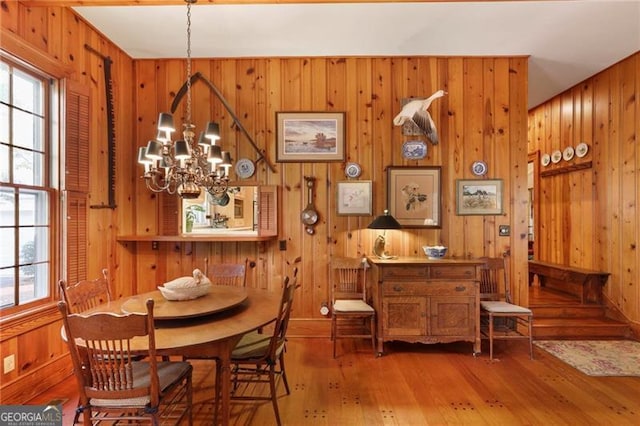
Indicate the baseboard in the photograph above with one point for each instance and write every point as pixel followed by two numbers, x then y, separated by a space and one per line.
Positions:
pixel 28 386
pixel 309 327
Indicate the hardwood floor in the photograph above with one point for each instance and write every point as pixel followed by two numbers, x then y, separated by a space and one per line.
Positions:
pixel 440 384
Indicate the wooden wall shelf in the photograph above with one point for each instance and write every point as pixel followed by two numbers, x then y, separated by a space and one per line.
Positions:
pixel 566 169
pixel 196 238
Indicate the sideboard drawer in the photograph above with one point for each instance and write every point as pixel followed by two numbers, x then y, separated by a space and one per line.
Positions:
pixel 404 272
pixel 452 272
pixel 430 288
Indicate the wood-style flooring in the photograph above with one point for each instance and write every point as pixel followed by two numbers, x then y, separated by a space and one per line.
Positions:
pixel 415 384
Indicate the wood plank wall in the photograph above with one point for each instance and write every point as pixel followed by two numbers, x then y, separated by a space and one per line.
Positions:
pixel 483 117
pixel 589 217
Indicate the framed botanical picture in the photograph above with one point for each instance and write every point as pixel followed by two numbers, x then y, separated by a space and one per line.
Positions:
pixel 310 136
pixel 478 196
pixel 354 198
pixel 413 196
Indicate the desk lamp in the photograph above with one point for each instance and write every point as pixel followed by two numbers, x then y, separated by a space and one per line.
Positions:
pixel 384 221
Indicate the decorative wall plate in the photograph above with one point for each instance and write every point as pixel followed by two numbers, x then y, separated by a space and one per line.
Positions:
pixel 414 150
pixel 245 168
pixel 582 149
pixel 567 154
pixel 556 156
pixel 545 160
pixel 352 170
pixel 479 168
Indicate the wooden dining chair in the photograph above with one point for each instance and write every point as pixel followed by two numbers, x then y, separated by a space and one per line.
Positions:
pixel 259 356
pixel 500 319
pixel 349 301
pixel 234 274
pixel 113 386
pixel 86 294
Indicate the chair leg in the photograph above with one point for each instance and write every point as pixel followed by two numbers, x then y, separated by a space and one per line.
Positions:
pixel 531 337
pixel 284 373
pixel 274 396
pixel 334 336
pixel 490 337
pixel 373 334
pixel 218 385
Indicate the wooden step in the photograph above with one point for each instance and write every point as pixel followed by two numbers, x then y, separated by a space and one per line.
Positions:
pixel 568 311
pixel 579 328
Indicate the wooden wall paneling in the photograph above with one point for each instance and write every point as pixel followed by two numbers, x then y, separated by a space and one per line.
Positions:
pixel 34 22
pixel 453 232
pixel 10 15
pixel 602 184
pixel 589 253
pixel 614 148
pixel 487 150
pixel 518 71
pixel 630 177
pixel 473 143
pixel 503 159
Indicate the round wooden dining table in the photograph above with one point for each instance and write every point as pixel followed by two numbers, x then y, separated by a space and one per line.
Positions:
pixel 201 328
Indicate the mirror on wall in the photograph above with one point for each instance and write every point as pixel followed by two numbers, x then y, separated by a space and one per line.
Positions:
pixel 234 213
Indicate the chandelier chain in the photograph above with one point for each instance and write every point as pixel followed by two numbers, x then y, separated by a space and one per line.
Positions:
pixel 188 63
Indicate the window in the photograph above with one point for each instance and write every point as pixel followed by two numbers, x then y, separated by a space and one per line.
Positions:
pixel 26 192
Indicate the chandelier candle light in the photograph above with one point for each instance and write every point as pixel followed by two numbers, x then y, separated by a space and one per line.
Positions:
pixel 185 166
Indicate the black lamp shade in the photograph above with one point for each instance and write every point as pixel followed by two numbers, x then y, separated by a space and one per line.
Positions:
pixel 385 221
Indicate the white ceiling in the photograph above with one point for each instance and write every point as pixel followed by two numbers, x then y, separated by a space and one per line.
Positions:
pixel 567 41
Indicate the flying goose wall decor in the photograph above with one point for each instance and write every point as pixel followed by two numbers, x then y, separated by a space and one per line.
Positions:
pixel 417 112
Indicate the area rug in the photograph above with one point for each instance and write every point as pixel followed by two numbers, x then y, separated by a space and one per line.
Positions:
pixel 597 357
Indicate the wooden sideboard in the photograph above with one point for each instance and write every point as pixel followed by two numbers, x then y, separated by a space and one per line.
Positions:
pixel 426 301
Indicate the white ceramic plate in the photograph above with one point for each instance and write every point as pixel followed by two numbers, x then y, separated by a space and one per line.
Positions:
pixel 567 154
pixel 545 160
pixel 414 150
pixel 556 156
pixel 479 168
pixel 582 149
pixel 245 168
pixel 352 170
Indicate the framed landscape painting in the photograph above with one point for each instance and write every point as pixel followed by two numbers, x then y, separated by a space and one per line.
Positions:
pixel 310 136
pixel 479 196
pixel 413 196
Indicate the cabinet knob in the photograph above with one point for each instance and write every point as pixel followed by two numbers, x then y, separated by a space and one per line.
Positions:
pixel 460 288
pixel 397 288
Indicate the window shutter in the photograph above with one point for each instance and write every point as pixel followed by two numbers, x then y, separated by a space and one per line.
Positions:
pixel 268 214
pixel 77 141
pixel 169 222
pixel 76 242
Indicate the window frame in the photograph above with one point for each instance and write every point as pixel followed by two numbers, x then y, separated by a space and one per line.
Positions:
pixel 49 186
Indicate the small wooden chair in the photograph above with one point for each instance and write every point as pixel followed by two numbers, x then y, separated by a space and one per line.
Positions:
pixel 113 386
pixel 259 357
pixel 86 294
pixel 233 274
pixel 349 301
pixel 501 319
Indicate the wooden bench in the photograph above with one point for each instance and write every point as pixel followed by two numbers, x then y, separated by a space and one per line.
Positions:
pixel 582 283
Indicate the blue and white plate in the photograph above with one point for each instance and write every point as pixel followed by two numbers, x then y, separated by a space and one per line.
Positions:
pixel 414 150
pixel 245 168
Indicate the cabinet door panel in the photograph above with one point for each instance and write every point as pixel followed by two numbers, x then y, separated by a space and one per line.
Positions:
pixel 452 316
pixel 404 316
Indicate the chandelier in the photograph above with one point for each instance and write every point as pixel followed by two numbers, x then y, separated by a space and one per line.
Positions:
pixel 185 166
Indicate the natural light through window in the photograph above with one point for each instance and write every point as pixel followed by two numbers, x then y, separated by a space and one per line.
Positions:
pixel 25 219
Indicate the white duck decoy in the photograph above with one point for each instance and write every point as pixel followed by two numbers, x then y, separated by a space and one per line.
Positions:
pixel 416 111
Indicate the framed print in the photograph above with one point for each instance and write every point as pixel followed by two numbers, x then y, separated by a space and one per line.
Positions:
pixel 309 136
pixel 413 196
pixel 354 198
pixel 478 196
